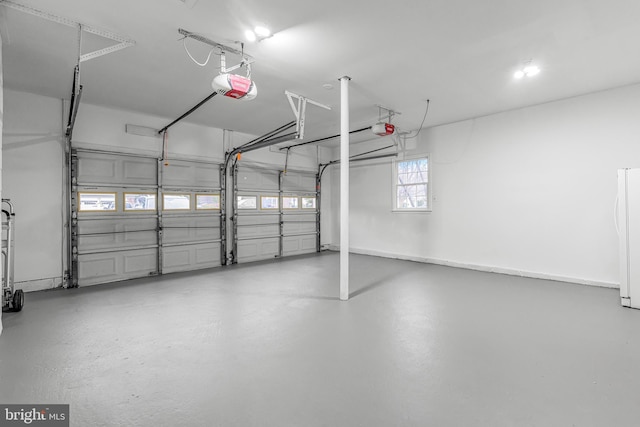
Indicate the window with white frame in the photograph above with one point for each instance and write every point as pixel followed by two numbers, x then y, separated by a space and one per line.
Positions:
pixel 139 202
pixel 90 201
pixel 308 202
pixel 207 201
pixel 290 202
pixel 247 202
pixel 269 202
pixel 176 202
pixel 411 184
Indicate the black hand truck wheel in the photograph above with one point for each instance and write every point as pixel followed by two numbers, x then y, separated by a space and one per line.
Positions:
pixel 18 300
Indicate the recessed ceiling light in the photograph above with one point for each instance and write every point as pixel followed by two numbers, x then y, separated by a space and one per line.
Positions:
pixel 250 35
pixel 262 32
pixel 529 70
pixel 327 86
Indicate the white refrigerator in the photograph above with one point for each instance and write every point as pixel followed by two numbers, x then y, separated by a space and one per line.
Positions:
pixel 628 227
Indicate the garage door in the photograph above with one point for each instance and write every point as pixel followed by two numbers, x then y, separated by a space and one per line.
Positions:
pixel 299 207
pixel 190 216
pixel 134 217
pixel 274 214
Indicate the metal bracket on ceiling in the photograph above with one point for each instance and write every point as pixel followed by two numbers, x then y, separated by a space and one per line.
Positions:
pixel 212 43
pixel 246 60
pixel 389 113
pixel 123 42
pixel 299 109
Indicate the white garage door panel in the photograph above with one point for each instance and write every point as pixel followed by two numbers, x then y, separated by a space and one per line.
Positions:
pixel 298 182
pixel 135 263
pixel 298 245
pixel 98 168
pixel 253 220
pixel 181 235
pixel 122 245
pixel 261 224
pixel 309 243
pixel 290 245
pixel 140 171
pixel 115 233
pixel 191 257
pixel 208 175
pixel 299 228
pixel 116 241
pixel 259 231
pixel 190 229
pixel 208 255
pixel 299 223
pixel 103 265
pixel 185 174
pixel 255 250
pixel 114 266
pixel 286 230
pixel 258 179
pixel 88 225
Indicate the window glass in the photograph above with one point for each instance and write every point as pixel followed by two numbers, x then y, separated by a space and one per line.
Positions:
pixel 139 202
pixel 412 184
pixel 269 202
pixel 247 202
pixel 96 202
pixel 290 202
pixel 176 202
pixel 308 202
pixel 207 201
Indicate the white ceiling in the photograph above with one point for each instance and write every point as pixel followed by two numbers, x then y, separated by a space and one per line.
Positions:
pixel 460 54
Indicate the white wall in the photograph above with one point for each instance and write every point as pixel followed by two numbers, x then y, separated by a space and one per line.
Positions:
pixel 529 191
pixel 34 174
pixel 101 127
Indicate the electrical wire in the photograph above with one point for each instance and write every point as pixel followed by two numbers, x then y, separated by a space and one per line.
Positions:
pixel 421 124
pixel 184 44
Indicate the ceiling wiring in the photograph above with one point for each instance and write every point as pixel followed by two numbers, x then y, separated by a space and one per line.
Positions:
pixel 184 44
pixel 421 124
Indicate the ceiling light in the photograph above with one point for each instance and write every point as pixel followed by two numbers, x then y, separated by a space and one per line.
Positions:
pixel 531 70
pixel 259 33
pixel 528 70
pixel 250 35
pixel 262 32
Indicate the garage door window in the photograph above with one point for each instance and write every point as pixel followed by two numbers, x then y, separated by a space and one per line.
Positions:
pixel 207 201
pixel 269 202
pixel 139 202
pixel 92 202
pixel 290 202
pixel 308 202
pixel 247 202
pixel 176 202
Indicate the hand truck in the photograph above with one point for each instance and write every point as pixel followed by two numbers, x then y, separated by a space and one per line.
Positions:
pixel 11 298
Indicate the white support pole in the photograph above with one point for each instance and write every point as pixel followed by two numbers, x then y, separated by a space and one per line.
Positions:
pixel 344 188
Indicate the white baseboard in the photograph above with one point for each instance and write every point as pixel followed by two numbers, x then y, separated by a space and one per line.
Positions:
pixel 485 268
pixel 39 285
pixel 56 282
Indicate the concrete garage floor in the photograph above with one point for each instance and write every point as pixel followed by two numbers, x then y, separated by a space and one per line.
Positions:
pixel 269 344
